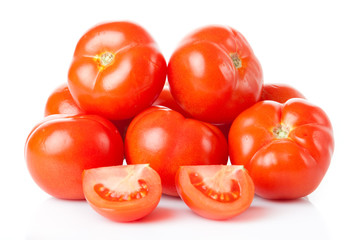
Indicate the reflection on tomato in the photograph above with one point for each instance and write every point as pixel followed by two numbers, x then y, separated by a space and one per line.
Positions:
pixel 117 71
pixel 214 74
pixel 167 140
pixel 60 147
pixel 285 147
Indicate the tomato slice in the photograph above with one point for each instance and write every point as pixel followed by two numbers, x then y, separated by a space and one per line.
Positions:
pixel 122 193
pixel 215 191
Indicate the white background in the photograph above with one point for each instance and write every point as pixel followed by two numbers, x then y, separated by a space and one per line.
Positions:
pixel 311 45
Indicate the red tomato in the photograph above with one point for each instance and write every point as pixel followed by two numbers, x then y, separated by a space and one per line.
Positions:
pixel 214 75
pixel 166 99
pixel 167 140
pixel 122 193
pixel 62 146
pixel 216 191
pixel 285 147
pixel 279 93
pixel 61 102
pixel 117 71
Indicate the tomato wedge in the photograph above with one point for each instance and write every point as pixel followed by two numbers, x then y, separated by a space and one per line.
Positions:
pixel 215 191
pixel 122 193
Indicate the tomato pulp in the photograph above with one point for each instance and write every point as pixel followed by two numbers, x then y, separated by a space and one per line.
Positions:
pixel 122 193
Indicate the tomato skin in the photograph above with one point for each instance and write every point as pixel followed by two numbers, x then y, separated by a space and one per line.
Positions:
pixel 204 205
pixel 122 211
pixel 117 71
pixel 287 164
pixel 60 101
pixel 279 93
pixel 60 147
pixel 167 140
pixel 203 77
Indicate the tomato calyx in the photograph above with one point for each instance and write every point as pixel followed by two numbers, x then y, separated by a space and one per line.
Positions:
pixel 281 131
pixel 236 60
pixel 105 59
pixel 213 187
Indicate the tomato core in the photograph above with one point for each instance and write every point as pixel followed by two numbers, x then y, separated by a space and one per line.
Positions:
pixel 281 131
pixel 236 60
pixel 105 59
pixel 116 196
pixel 214 192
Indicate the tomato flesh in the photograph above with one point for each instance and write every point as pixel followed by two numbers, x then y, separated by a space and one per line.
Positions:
pixel 198 182
pixel 122 193
pixel 215 191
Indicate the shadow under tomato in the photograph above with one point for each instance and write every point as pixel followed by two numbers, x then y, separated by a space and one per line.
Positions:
pixel 264 208
pixel 159 214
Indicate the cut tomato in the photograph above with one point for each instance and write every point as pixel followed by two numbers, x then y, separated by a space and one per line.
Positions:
pixel 122 193
pixel 215 191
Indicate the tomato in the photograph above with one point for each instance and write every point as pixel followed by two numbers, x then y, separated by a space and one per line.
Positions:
pixel 167 140
pixel 166 99
pixel 61 102
pixel 117 71
pixel 279 93
pixel 60 147
pixel 122 193
pixel 214 74
pixel 285 147
pixel 215 191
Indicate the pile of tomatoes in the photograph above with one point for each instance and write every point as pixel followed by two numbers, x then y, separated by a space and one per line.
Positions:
pixel 176 137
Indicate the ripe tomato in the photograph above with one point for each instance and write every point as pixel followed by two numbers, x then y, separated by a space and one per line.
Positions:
pixel 216 191
pixel 279 93
pixel 285 147
pixel 59 148
pixel 122 193
pixel 167 140
pixel 165 99
pixel 61 102
pixel 214 74
pixel 117 70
